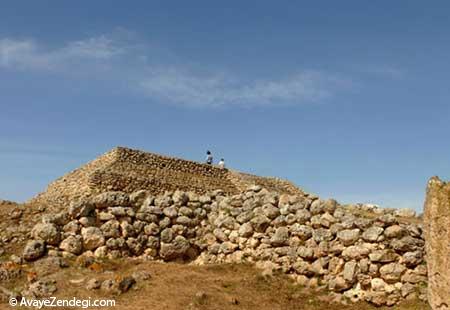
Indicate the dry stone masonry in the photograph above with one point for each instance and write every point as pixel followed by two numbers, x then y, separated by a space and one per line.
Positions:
pixel 437 232
pixel 128 170
pixel 358 252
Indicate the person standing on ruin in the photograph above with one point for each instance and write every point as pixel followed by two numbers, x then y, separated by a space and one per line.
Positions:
pixel 222 163
pixel 209 158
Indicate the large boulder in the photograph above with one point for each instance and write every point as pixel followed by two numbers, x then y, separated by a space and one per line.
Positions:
pixel 92 238
pixel 47 233
pixel 111 199
pixel 178 248
pixel 72 244
pixel 437 235
pixel 81 208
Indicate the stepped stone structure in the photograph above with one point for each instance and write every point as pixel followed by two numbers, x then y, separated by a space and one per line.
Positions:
pixel 127 170
pixel 437 233
pixel 129 203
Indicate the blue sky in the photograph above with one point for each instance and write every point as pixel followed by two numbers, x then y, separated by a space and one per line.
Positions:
pixel 347 99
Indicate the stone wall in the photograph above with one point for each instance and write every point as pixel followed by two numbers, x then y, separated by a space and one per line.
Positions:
pixel 130 170
pixel 437 232
pixel 358 253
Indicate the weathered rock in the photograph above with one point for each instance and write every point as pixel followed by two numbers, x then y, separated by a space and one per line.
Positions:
pixel 270 211
pixel 338 284
pixel 72 244
pixel 111 229
pixel 170 212
pixel 305 252
pixel 378 284
pixel 383 256
pixel 246 230
pixel 394 231
pixel 304 232
pixel 167 235
pixel 378 298
pixel 109 286
pixel 348 237
pixel 92 238
pixel 176 249
pixel 81 208
pixel 372 234
pixel 111 199
pixel 302 216
pixel 437 234
pixel 350 270
pixel 412 259
pixel 322 234
pixel 407 244
pixel 33 250
pixel 260 223
pixel 93 284
pixel 356 252
pixel 47 233
pixel 280 237
pixel 392 272
pixel 180 198
pixel 126 283
pixel 137 198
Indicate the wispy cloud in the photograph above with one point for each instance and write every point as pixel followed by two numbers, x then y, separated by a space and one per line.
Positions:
pixel 389 71
pixel 164 81
pixel 178 86
pixel 27 54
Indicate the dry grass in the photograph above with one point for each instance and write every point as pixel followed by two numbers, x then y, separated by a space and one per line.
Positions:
pixel 177 286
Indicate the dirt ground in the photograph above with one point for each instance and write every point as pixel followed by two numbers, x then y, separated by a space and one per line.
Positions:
pixel 175 286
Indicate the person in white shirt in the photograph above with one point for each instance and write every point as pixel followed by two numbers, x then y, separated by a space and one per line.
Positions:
pixel 209 158
pixel 221 163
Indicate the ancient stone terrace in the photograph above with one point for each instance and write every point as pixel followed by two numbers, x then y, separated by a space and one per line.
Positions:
pixel 129 170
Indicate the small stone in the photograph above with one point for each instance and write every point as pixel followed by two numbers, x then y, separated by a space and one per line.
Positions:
pixel 350 270
pixel 126 283
pixel 141 275
pixel 93 284
pixel 378 284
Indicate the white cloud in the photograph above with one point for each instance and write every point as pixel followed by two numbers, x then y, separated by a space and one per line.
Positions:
pixel 27 54
pixel 218 90
pixel 165 81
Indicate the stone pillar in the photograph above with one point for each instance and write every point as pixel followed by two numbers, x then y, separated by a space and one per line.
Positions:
pixel 437 240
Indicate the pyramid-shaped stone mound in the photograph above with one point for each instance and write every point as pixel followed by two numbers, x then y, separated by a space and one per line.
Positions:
pixel 124 169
